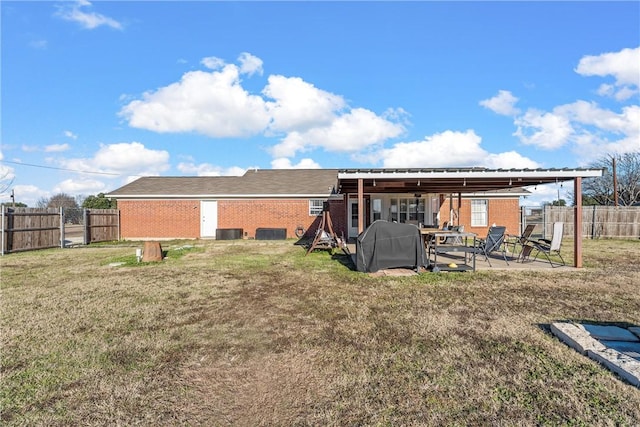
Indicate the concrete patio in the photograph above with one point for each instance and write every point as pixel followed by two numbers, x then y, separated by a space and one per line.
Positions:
pixel 496 263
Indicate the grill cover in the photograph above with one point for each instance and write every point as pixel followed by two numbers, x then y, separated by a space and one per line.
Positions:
pixel 389 245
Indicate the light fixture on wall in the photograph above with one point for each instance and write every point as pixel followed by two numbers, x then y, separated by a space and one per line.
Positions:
pixel 418 183
pixel 464 182
pixel 374 182
pixel 510 183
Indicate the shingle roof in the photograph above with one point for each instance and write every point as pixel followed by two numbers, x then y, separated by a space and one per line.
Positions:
pixel 259 182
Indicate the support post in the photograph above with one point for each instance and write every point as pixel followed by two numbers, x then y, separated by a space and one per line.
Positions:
pixel 577 223
pixel 360 205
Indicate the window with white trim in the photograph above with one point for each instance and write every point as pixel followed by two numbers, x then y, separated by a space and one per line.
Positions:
pixel 479 212
pixel 315 207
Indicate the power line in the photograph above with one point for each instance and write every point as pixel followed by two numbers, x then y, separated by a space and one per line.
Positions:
pixel 60 169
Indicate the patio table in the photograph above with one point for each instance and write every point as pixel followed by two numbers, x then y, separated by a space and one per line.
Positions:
pixel 436 242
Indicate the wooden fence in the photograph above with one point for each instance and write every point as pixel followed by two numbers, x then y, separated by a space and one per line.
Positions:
pixel 608 222
pixel 25 229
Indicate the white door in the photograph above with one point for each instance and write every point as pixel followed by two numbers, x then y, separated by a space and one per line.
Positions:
pixel 208 218
pixel 353 218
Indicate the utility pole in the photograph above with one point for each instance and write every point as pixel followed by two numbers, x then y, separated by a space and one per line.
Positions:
pixel 13 198
pixel 615 181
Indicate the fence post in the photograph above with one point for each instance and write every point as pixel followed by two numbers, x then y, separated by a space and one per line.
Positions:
pixel 86 232
pixel 593 223
pixel 2 247
pixel 62 227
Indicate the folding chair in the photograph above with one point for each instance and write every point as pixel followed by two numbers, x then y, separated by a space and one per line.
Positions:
pixel 521 241
pixel 494 242
pixel 550 247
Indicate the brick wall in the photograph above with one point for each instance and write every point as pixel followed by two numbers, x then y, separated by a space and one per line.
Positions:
pixel 159 219
pixel 167 219
pixel 500 211
pixel 275 213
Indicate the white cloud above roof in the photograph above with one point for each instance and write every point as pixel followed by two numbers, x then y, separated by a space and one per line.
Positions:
pixel 121 159
pixel 284 163
pixel 207 169
pixel 209 103
pixel 80 186
pixel 545 130
pixel 353 131
pixel 299 105
pixel 451 149
pixel 623 65
pixel 214 103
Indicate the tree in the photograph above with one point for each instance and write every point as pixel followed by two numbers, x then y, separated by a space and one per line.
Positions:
pixel 559 202
pixel 60 200
pixel 99 202
pixel 15 205
pixel 600 191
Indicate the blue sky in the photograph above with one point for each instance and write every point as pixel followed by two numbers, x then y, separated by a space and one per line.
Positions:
pixel 97 94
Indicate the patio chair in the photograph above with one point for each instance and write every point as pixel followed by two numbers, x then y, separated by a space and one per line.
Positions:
pixel 550 247
pixel 515 241
pixel 494 242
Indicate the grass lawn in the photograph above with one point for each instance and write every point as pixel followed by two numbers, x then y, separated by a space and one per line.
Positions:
pixel 254 333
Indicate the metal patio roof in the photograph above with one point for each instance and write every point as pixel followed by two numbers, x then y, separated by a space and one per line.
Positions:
pixel 454 180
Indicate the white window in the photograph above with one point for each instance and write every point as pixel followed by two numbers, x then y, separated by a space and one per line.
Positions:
pixel 479 212
pixel 315 207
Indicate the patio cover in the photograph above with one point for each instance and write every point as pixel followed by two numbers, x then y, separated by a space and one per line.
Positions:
pixel 389 245
pixel 463 180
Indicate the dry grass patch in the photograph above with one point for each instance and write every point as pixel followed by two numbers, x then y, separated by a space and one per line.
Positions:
pixel 255 333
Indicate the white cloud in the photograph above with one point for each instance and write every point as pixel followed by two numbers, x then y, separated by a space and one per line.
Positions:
pixel 250 64
pixel 624 66
pixel 450 149
pixel 80 186
pixel 210 103
pixel 503 103
pixel 300 105
pixel 29 148
pixel 56 148
pixel 206 169
pixel 215 104
pixel 545 130
pixel 213 63
pixel 29 194
pixel 589 130
pixel 356 130
pixel 284 163
pixel 122 159
pixel 70 134
pixel 71 11
pixel 7 173
pixel 508 160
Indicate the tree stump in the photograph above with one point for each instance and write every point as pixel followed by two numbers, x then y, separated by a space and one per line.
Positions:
pixel 152 252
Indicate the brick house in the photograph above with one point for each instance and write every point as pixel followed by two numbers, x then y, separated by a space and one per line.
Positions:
pixel 293 199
